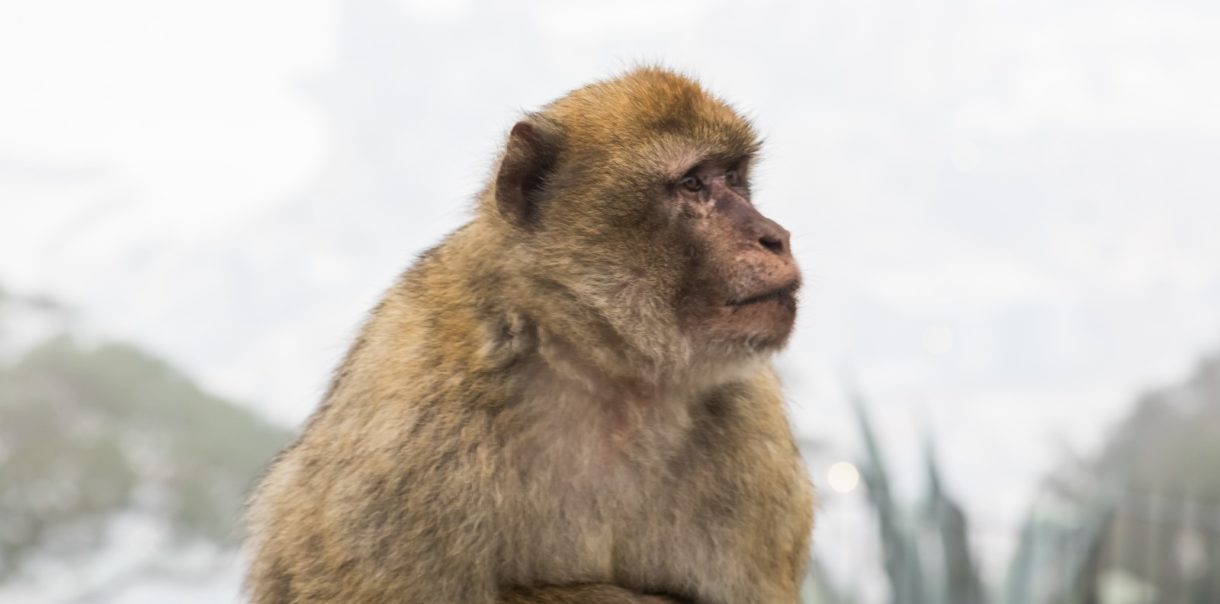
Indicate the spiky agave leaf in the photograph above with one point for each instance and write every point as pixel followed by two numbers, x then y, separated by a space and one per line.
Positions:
pixel 902 563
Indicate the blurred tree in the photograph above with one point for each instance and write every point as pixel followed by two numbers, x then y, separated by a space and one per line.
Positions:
pixel 1171 439
pixel 88 434
pixel 1166 458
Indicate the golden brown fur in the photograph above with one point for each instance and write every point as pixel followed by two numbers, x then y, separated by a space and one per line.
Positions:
pixel 562 402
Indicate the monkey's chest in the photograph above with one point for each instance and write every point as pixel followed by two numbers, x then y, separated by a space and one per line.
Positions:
pixel 678 512
pixel 569 520
pixel 595 519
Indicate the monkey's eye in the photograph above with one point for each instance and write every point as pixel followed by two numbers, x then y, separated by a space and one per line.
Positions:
pixel 732 178
pixel 691 183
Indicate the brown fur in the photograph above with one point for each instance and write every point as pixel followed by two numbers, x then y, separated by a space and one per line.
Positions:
pixel 566 400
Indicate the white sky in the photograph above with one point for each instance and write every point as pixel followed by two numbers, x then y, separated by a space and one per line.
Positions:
pixel 1007 210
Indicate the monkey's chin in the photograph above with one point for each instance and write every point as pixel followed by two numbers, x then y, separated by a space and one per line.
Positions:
pixel 747 333
pixel 767 343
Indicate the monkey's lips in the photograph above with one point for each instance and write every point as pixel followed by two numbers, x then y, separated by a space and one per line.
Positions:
pixel 763 319
pixel 784 295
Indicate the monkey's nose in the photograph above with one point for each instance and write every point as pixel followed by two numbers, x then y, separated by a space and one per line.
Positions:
pixel 773 243
pixel 773 238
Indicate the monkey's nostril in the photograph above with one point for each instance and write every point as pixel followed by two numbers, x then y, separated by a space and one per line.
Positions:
pixel 774 244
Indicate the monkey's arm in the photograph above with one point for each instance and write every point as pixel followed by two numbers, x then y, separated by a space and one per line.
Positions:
pixel 592 593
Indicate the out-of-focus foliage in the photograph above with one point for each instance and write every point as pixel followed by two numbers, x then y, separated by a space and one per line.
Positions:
pixel 1165 457
pixel 898 539
pixel 88 433
pixel 1138 524
pixel 955 571
pixel 1141 520
pixel 1058 558
pixel 1143 514
pixel 928 558
pixel 1171 441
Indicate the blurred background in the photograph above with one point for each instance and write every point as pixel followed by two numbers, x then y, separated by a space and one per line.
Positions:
pixel 1006 372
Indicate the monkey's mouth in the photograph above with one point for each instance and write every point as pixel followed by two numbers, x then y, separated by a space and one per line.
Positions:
pixel 785 295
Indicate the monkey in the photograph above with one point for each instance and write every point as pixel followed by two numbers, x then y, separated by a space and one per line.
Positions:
pixel 570 398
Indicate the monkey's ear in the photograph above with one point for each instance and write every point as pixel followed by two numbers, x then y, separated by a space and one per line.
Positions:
pixel 529 157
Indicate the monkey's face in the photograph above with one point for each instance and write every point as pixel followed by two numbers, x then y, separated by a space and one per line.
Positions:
pixel 739 290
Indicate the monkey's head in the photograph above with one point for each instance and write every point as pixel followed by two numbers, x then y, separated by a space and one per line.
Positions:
pixel 628 203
